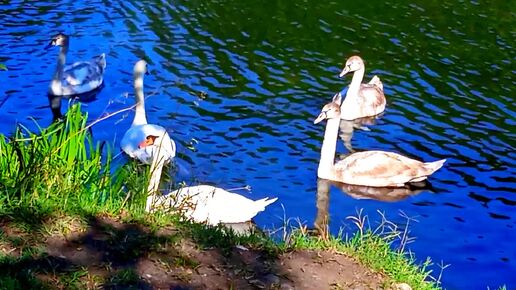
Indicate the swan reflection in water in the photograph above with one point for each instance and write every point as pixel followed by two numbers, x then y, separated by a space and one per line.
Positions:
pixel 55 101
pixel 346 129
pixel 386 194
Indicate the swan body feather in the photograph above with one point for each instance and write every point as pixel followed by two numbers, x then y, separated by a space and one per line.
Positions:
pixel 212 205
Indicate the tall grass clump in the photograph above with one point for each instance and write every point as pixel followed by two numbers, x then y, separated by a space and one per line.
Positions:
pixel 59 167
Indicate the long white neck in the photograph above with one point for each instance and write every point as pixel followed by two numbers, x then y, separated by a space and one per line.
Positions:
pixel 156 168
pixel 139 116
pixel 56 85
pixel 329 146
pixel 354 87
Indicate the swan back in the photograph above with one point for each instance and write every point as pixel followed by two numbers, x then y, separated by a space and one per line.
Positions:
pixel 381 168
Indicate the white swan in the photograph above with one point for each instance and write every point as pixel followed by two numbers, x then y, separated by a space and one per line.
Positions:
pixel 211 205
pixel 362 100
pixel 368 168
pixel 77 78
pixel 201 203
pixel 143 141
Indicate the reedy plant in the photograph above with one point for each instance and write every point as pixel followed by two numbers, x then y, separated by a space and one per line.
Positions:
pixel 60 164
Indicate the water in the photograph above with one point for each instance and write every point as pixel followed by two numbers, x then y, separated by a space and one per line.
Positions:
pixel 241 82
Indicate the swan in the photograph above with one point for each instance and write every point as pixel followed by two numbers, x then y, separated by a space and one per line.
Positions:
pixel 77 78
pixel 143 141
pixel 210 205
pixel 362 100
pixel 367 168
pixel 201 203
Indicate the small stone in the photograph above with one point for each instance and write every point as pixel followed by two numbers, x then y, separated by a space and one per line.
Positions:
pixel 257 283
pixel 272 279
pixel 403 286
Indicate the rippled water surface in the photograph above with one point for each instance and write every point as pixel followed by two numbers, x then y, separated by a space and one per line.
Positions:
pixel 242 81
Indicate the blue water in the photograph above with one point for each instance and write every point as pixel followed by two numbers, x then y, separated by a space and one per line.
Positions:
pixel 241 82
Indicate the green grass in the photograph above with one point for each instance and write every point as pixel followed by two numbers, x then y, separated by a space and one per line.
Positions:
pixel 58 181
pixel 60 168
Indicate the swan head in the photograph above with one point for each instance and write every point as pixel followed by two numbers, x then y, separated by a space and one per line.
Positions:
pixel 149 141
pixel 353 63
pixel 59 39
pixel 330 110
pixel 140 67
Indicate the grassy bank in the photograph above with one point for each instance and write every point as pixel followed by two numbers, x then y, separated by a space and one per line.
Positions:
pixel 70 220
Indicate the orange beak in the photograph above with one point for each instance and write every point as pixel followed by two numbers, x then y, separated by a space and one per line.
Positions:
pixel 149 140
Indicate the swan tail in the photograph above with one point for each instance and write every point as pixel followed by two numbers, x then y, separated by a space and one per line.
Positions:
pixel 432 167
pixel 264 202
pixel 101 61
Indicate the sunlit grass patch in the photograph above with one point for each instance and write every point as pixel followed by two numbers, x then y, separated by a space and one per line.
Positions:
pixel 59 165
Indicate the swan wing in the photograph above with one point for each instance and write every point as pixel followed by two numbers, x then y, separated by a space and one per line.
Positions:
pixel 371 100
pixel 376 82
pixel 83 76
pixel 379 168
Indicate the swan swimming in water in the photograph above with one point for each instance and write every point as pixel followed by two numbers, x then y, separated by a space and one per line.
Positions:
pixel 362 100
pixel 367 168
pixel 78 78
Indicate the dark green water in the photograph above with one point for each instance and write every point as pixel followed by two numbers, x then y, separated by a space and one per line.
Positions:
pixel 243 80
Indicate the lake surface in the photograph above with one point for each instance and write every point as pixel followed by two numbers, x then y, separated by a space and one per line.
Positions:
pixel 242 81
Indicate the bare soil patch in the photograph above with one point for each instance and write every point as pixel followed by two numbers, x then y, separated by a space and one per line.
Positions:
pixel 115 255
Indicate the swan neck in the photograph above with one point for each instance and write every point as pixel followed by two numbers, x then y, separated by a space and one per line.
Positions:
pixel 139 116
pixel 354 87
pixel 328 148
pixel 55 84
pixel 156 169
